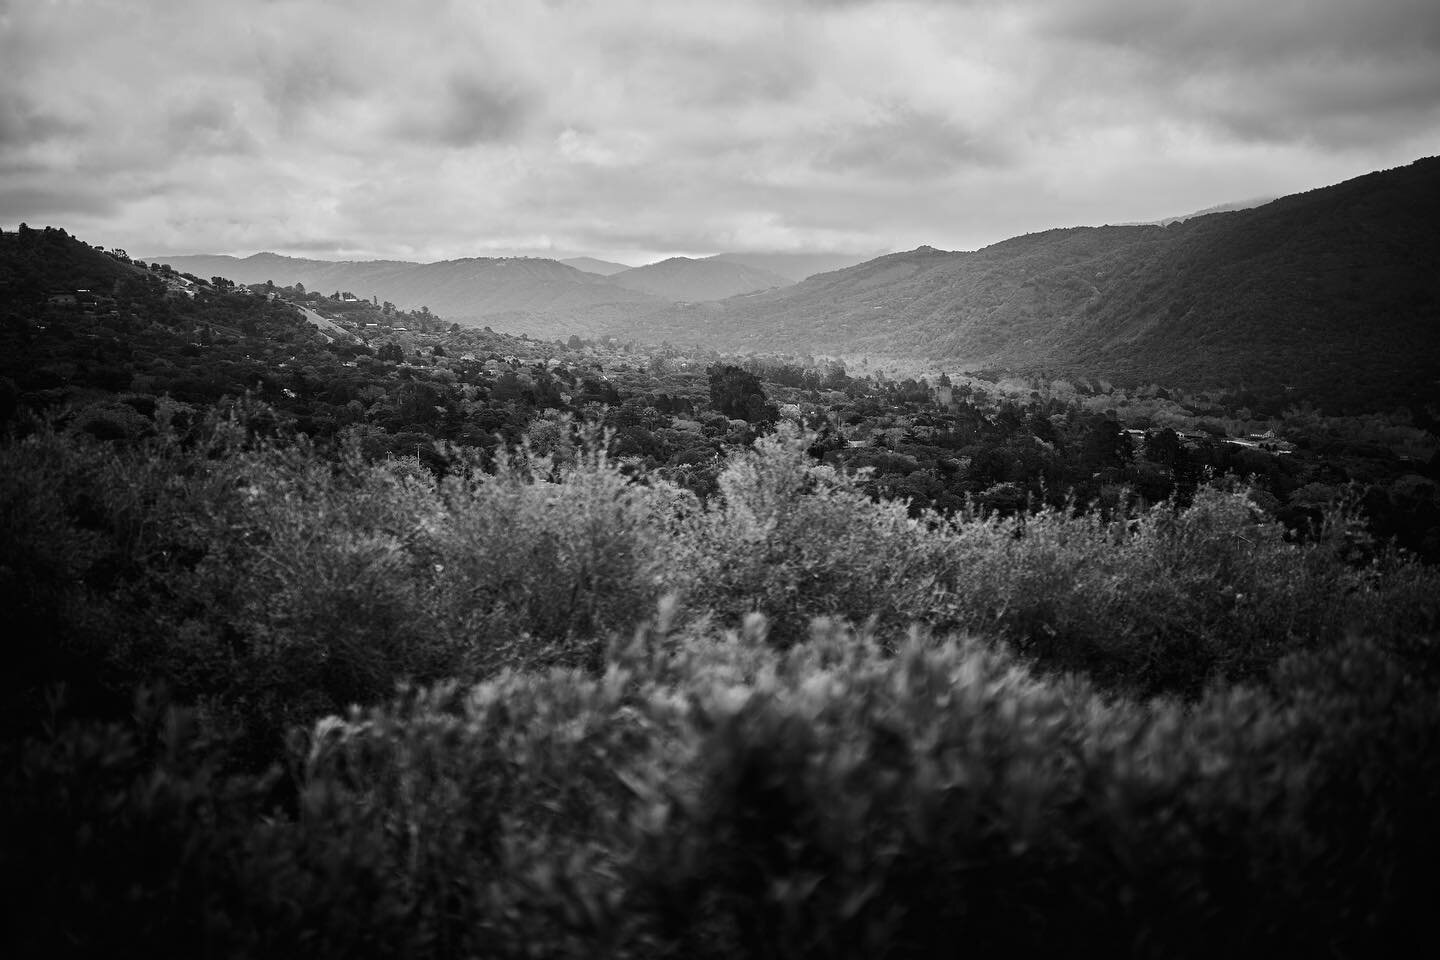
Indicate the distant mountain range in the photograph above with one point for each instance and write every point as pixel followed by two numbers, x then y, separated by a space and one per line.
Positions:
pixel 531 295
pixel 1331 292
pixel 684 279
pixel 794 266
pixel 534 294
pixel 1217 208
pixel 591 265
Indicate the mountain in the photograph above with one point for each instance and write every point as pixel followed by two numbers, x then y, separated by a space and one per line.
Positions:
pixel 794 266
pixel 360 277
pixel 684 279
pixel 1217 208
pixel 1333 294
pixel 535 296
pixel 603 268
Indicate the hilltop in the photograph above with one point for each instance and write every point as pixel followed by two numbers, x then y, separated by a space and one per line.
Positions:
pixel 685 279
pixel 36 263
pixel 794 266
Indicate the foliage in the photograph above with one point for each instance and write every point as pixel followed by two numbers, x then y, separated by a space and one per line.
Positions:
pixel 711 796
pixel 795 540
pixel 360 661
pixel 738 394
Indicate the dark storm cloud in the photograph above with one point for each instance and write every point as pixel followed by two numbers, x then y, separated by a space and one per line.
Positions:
pixel 468 111
pixel 23 199
pixel 22 122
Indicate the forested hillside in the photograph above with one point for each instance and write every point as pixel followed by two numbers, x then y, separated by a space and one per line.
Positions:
pixel 434 641
pixel 1330 296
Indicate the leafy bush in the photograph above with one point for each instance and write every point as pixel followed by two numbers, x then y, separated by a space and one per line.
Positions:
pixel 538 562
pixel 796 540
pixel 709 795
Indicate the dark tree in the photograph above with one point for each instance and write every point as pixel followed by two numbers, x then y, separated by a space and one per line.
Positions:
pixel 738 394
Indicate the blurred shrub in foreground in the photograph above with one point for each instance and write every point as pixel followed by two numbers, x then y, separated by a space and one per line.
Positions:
pixel 711 796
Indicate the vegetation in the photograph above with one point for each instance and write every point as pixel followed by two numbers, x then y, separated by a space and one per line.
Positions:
pixel 537 659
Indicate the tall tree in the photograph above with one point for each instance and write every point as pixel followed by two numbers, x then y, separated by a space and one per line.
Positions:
pixel 739 395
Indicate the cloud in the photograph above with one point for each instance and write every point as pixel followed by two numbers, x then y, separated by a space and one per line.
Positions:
pixel 467 111
pixel 634 128
pixel 1338 73
pixel 906 143
pixel 23 123
pixel 26 199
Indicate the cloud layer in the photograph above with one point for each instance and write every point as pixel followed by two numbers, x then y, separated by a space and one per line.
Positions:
pixel 632 129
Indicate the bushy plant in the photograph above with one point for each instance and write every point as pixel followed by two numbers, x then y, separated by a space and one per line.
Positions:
pixel 539 561
pixel 709 795
pixel 1164 600
pixel 796 540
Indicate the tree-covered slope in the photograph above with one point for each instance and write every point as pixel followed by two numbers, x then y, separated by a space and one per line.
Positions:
pixel 1336 289
pixel 35 263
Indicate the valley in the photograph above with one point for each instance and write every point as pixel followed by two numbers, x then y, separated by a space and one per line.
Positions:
pixel 291 565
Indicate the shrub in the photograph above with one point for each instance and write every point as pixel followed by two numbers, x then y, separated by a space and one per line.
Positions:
pixel 1165 600
pixel 709 795
pixel 796 540
pixel 538 562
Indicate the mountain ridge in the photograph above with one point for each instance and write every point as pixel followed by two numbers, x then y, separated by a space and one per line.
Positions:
pixel 540 292
pixel 595 265
pixel 1320 292
pixel 684 279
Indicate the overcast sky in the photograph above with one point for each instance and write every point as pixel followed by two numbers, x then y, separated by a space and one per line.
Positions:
pixel 630 129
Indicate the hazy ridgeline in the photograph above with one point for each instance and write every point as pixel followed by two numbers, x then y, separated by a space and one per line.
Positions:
pixel 787 721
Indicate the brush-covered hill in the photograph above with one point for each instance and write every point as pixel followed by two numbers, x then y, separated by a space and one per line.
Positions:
pixel 36 263
pixel 682 279
pixel 1334 294
pixel 356 276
